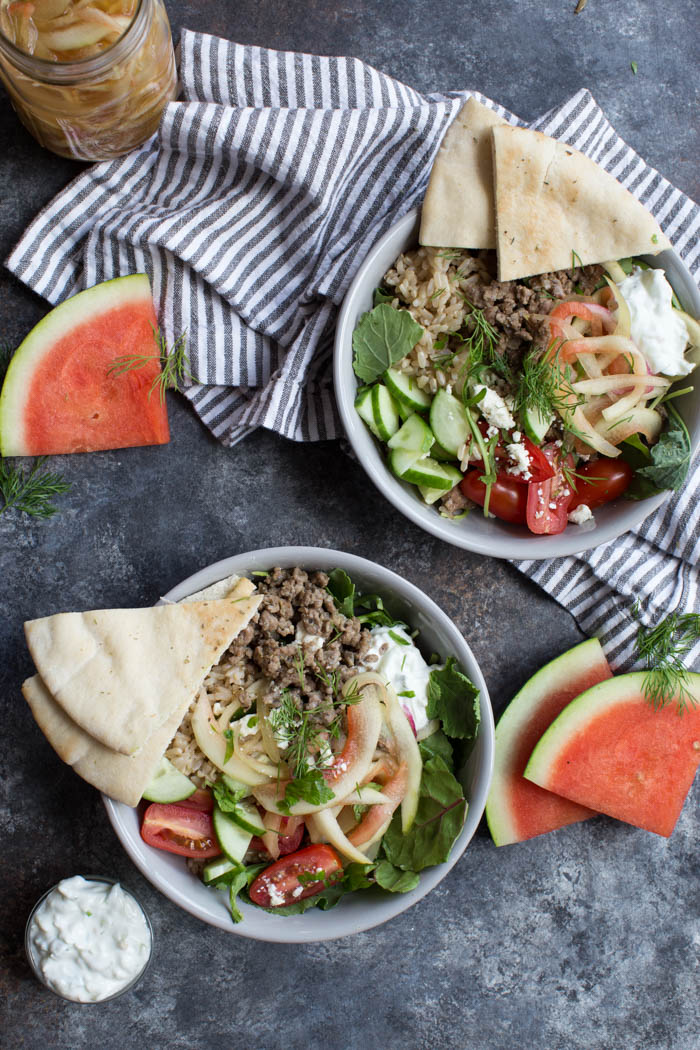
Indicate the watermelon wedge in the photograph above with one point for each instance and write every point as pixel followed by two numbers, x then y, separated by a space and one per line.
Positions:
pixel 612 751
pixel 58 395
pixel 516 808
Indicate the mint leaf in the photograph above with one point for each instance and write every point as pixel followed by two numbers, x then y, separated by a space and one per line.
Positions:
pixel 382 337
pixel 394 879
pixel 439 820
pixel 311 787
pixel 455 701
pixel 670 456
pixel 437 744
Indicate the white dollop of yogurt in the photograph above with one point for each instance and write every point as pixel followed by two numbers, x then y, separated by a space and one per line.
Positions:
pixel 656 328
pixel 89 939
pixel 401 664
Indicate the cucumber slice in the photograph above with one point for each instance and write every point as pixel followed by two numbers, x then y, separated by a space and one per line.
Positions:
pixel 168 784
pixel 438 452
pixel 415 434
pixel 236 785
pixel 431 495
pixel 247 817
pixel 448 421
pixel 535 424
pixel 363 407
pixel 218 867
pixel 406 391
pixel 429 473
pixel 234 841
pixel 402 459
pixel 385 412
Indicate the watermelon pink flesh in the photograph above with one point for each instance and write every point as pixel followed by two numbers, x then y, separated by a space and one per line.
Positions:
pixel 58 394
pixel 517 809
pixel 612 751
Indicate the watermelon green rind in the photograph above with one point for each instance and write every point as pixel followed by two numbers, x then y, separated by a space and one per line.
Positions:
pixel 610 749
pixel 121 291
pixel 516 809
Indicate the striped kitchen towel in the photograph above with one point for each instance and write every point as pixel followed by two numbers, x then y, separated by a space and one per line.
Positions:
pixel 252 208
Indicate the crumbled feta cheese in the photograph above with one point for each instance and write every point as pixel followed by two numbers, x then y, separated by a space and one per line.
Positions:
pixel 580 514
pixel 552 506
pixel 312 642
pixel 246 728
pixel 516 435
pixel 492 432
pixel 494 408
pixel 520 460
pixel 276 898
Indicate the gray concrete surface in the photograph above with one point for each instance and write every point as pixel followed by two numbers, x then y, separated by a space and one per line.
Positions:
pixel 585 939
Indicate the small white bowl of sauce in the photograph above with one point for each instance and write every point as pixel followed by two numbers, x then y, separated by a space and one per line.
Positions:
pixel 88 939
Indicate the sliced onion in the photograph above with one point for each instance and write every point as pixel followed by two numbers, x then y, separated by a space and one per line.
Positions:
pixel 608 384
pixel 622 313
pixel 644 421
pixel 323 827
pixel 213 744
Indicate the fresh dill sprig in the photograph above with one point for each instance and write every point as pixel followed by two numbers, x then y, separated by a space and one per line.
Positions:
pixel 31 493
pixel 575 261
pixel 662 648
pixel 542 387
pixel 174 365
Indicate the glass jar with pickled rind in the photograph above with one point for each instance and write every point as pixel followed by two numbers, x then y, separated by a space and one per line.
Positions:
pixel 88 78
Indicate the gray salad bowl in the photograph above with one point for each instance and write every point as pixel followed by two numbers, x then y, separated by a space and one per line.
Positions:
pixel 475 532
pixel 355 912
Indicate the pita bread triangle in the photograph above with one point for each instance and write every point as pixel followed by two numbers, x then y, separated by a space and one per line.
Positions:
pixel 119 674
pixel 458 211
pixel 555 205
pixel 122 777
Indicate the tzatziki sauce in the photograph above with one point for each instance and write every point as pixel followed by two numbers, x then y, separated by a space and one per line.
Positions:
pixel 656 327
pixel 400 663
pixel 88 940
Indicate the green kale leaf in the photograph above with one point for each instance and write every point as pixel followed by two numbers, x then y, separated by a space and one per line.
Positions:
pixel 382 337
pixel 454 699
pixel 439 820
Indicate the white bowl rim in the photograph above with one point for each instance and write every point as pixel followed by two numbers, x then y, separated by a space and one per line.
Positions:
pixel 512 542
pixel 260 925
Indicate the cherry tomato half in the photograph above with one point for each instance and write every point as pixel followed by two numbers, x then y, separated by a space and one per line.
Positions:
pixel 600 481
pixel 508 500
pixel 280 884
pixel 201 799
pixel 180 829
pixel 548 502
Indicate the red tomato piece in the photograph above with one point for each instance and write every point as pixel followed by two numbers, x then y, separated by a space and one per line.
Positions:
pixel 508 499
pixel 540 468
pixel 548 501
pixel 201 799
pixel 180 829
pixel 299 875
pixel 600 481
pixel 292 832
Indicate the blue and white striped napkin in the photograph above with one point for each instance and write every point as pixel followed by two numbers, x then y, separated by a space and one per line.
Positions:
pixel 252 208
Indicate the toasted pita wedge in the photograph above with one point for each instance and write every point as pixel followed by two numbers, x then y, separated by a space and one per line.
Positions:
pixel 554 204
pixel 122 777
pixel 120 674
pixel 458 210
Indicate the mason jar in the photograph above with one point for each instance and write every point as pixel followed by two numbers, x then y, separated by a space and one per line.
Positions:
pixel 108 99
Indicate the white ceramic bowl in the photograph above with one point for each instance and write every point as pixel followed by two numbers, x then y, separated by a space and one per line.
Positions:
pixel 355 912
pixel 475 532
